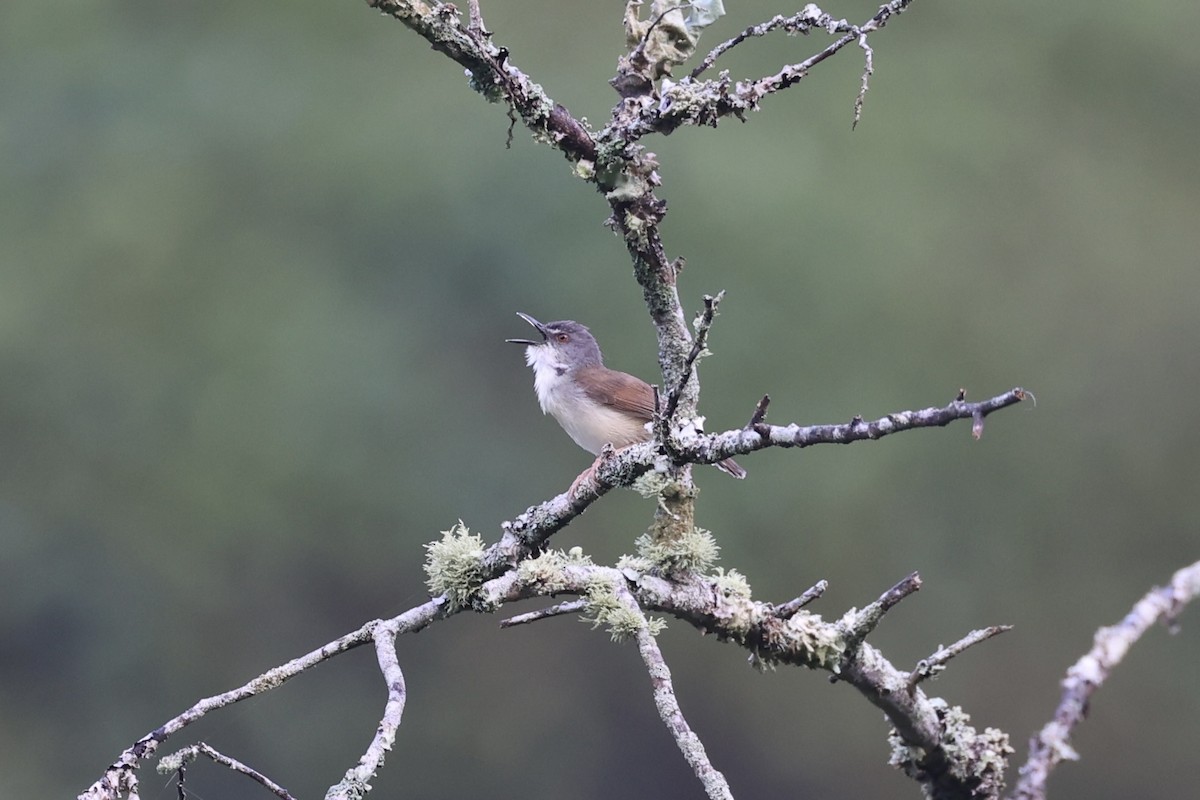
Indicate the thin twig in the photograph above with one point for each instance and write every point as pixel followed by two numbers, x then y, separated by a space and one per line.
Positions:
pixel 567 607
pixel 928 667
pixel 790 608
pixel 760 413
pixel 704 323
pixel 1052 745
pixel 798 22
pixel 201 749
pixel 865 621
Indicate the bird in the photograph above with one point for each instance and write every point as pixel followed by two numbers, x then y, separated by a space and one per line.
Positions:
pixel 595 405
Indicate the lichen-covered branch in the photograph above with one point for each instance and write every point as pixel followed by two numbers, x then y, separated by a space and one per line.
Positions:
pixel 672 574
pixel 715 785
pixel 932 740
pixel 492 75
pixel 1052 744
pixel 120 779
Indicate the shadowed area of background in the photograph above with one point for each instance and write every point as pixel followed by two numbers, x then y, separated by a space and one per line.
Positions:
pixel 257 262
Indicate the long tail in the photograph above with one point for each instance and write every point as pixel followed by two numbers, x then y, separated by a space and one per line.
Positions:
pixel 731 467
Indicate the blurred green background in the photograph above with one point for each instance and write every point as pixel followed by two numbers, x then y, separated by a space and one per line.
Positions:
pixel 257 262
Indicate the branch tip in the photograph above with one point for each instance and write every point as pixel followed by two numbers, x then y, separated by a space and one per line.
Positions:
pixel 791 607
pixel 935 663
pixel 857 625
pixel 760 413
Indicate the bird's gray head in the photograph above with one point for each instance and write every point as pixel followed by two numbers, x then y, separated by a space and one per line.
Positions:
pixel 565 346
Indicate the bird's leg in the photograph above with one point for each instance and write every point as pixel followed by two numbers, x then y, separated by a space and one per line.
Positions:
pixel 589 474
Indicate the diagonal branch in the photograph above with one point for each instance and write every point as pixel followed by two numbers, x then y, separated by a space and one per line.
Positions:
pixel 177 763
pixel 715 785
pixel 1052 744
pixel 556 610
pixel 931 666
pixel 856 627
pixel 810 594
pixel 797 23
pixel 356 783
pixel 492 73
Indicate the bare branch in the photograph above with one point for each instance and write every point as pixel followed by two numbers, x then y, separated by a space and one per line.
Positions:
pixel 931 666
pixel 709 448
pixel 356 783
pixel 1052 744
pixel 790 608
pixel 177 762
pixel 760 413
pixel 568 607
pixel 797 23
pixel 857 626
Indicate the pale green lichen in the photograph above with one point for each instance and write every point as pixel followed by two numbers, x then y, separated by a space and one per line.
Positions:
pixel 627 187
pixel 695 551
pixel 454 566
pixel 731 584
pixel 585 169
pixel 548 571
pixel 488 87
pixel 979 760
pixel 622 622
pixel 638 564
pixel 651 484
pixel 805 639
pixel 821 641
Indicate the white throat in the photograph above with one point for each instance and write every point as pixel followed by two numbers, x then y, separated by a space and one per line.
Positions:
pixel 550 379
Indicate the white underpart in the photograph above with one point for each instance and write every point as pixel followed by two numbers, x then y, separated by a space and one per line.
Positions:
pixel 589 424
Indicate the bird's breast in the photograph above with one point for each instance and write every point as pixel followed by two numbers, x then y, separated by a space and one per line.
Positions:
pixel 590 424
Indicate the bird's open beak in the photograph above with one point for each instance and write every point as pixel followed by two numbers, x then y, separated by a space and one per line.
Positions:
pixel 540 329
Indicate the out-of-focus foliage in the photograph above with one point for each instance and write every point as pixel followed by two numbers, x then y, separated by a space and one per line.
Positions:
pixel 257 262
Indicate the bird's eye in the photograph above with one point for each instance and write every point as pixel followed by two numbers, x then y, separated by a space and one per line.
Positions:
pixel 562 338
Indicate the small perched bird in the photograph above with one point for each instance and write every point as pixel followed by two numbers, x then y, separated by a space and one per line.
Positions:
pixel 595 405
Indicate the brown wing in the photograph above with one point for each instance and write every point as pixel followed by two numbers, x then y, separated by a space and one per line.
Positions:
pixel 619 391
